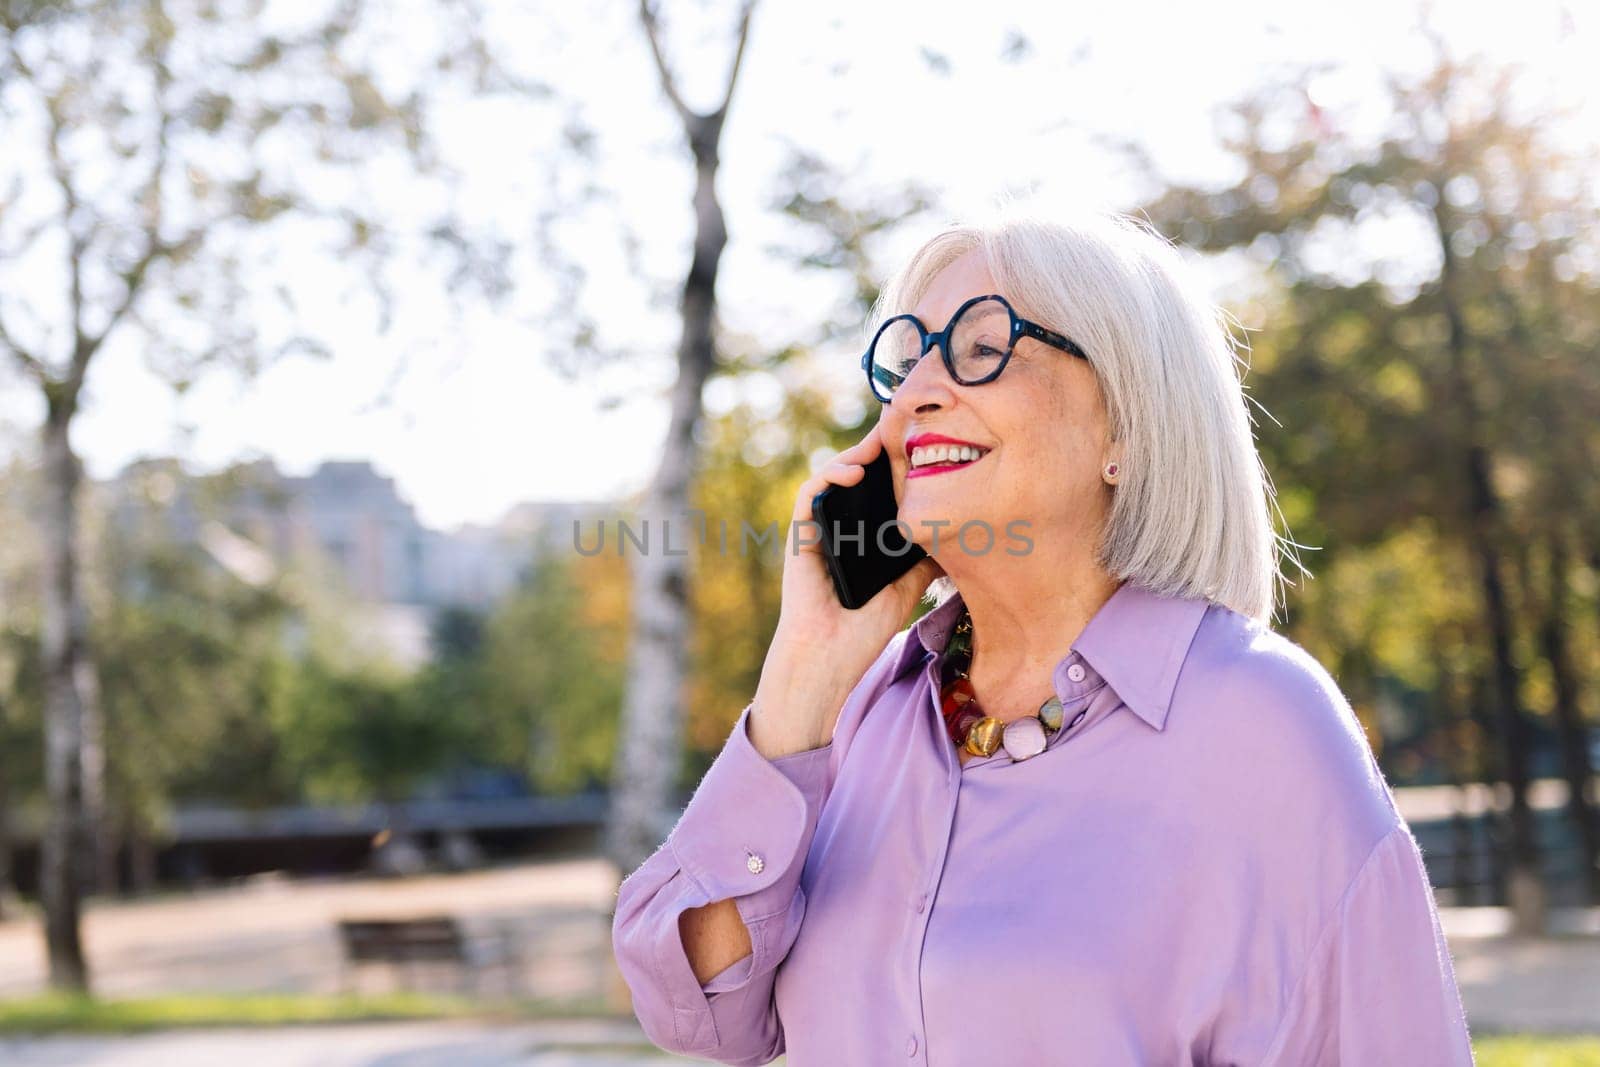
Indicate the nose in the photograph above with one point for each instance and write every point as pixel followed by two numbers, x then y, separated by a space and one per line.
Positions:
pixel 928 387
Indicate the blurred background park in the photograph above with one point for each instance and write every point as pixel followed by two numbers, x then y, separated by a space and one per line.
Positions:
pixel 335 337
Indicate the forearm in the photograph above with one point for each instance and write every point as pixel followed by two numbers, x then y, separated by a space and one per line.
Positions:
pixel 796 703
pixel 714 938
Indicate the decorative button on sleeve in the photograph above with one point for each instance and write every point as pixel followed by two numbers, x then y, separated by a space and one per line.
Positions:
pixel 748 825
pixel 745 837
pixel 1075 672
pixel 745 809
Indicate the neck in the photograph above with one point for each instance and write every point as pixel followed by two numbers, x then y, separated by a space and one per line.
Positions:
pixel 1022 629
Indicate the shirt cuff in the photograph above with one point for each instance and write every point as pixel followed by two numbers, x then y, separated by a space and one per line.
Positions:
pixel 746 831
pixel 733 977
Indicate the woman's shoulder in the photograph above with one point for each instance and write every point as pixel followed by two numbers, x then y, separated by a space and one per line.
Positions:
pixel 1264 704
pixel 1237 666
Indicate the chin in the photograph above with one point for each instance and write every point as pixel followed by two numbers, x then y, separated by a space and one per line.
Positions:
pixel 922 520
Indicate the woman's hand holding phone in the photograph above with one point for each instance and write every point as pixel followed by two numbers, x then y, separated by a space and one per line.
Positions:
pixel 822 649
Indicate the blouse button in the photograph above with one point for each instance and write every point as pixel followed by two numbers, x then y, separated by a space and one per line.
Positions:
pixel 1075 672
pixel 911 1045
pixel 922 902
pixel 755 863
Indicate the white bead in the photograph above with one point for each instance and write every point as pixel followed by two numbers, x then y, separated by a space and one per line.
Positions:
pixel 1023 738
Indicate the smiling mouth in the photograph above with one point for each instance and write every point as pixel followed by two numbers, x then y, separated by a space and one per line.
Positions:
pixel 937 459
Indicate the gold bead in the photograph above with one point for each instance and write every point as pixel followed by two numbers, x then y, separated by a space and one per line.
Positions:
pixel 985 736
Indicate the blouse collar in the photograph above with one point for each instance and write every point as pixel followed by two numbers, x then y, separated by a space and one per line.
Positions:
pixel 1137 642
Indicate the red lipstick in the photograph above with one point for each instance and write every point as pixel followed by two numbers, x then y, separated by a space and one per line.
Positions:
pixel 923 439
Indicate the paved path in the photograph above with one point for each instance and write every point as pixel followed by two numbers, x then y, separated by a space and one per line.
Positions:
pixel 277 936
pixel 1544 984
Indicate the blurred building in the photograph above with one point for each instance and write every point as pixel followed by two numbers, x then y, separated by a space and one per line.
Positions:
pixel 344 519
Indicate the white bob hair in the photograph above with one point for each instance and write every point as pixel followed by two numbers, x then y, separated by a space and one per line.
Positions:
pixel 1190 511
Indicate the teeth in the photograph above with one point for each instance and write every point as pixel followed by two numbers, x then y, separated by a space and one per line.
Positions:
pixel 932 454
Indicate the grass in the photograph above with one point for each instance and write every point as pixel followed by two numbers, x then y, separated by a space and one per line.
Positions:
pixel 1527 1050
pixel 60 1013
pixel 63 1013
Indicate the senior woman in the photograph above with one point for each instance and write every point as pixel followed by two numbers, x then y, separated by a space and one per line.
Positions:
pixel 1090 808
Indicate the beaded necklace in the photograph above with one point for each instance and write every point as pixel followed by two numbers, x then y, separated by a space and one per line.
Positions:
pixel 965 721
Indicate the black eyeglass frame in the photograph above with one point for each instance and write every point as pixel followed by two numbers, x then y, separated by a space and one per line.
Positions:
pixel 1020 328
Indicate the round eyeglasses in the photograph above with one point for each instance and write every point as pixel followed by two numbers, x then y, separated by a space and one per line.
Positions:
pixel 976 345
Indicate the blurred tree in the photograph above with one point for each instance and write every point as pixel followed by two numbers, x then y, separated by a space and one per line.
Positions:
pixel 642 783
pixel 19 662
pixel 189 659
pixel 456 634
pixel 1555 630
pixel 149 145
pixel 208 696
pixel 751 465
pixel 19 734
pixel 1408 382
pixel 358 734
pixel 792 408
pixel 554 659
pixel 840 221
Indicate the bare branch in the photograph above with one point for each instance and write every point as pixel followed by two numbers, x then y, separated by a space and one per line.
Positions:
pixel 85 345
pixel 29 362
pixel 29 237
pixel 76 249
pixel 669 85
pixel 133 281
pixel 155 248
pixel 648 16
pixel 738 54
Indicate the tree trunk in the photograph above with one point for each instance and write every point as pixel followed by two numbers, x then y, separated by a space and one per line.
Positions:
pixel 141 862
pixel 1575 763
pixel 1452 711
pixel 5 829
pixel 1524 887
pixel 1493 822
pixel 100 871
pixel 1484 524
pixel 644 780
pixel 63 851
pixel 645 773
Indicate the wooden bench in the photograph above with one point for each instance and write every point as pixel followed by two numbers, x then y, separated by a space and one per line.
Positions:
pixel 407 943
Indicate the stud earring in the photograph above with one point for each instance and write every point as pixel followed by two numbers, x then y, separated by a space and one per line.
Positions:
pixel 1111 472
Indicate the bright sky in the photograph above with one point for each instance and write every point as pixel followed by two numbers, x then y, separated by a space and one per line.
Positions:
pixel 478 421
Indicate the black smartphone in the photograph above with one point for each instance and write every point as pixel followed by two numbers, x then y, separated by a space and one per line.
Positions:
pixel 864 549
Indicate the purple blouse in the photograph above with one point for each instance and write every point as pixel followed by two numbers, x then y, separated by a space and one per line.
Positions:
pixel 1206 868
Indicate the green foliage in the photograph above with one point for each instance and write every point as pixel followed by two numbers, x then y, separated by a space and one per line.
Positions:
pixel 188 660
pixel 1420 307
pixel 361 734
pixel 1528 1050
pixel 62 1013
pixel 757 450
pixel 552 673
pixel 21 730
pixel 457 634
